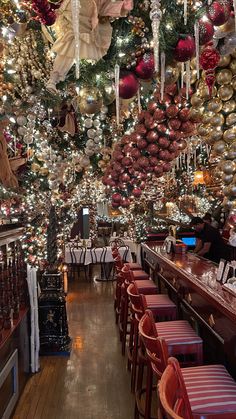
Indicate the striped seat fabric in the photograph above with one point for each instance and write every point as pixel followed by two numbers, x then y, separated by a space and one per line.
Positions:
pixel 133 266
pixel 146 286
pixel 176 333
pixel 160 303
pixel 139 274
pixel 211 390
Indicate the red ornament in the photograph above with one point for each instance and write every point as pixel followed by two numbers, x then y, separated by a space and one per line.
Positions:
pixel 219 12
pixel 125 178
pixel 158 170
pixel 185 49
pixel 172 111
pixel 159 115
pixel 142 144
pixel 115 175
pixel 209 60
pixel 125 139
pixel 174 124
pixel 125 203
pixel 162 128
pixel 116 197
pixel 187 127
pixel 145 67
pixel 184 114
pixel 135 153
pixel 173 146
pixel 126 162
pixel 167 167
pixel 115 204
pixel 117 155
pixel 171 89
pixel 153 149
pixel 137 192
pixel 163 142
pixel 128 85
pixel 206 30
pixel 143 162
pixel 153 161
pixel 152 107
pixel 150 123
pixel 140 129
pixel 152 136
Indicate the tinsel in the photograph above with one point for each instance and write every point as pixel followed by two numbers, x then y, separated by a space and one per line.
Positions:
pixel 117 79
pixel 75 10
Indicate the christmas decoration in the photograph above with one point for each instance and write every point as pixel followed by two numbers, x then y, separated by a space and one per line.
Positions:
pixel 89 101
pixel 128 85
pixel 145 67
pixel 185 49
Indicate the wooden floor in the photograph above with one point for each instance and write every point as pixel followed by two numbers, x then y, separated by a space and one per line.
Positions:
pixel 93 382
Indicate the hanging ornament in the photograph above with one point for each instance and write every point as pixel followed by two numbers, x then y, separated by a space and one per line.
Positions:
pixel 209 59
pixel 155 16
pixel 219 12
pixel 163 65
pixel 75 11
pixel 128 85
pixel 89 100
pixel 117 81
pixel 184 49
pixel 197 40
pixel 145 67
pixel 206 30
pixel 108 93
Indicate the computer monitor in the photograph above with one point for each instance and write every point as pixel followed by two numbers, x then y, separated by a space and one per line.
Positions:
pixel 189 241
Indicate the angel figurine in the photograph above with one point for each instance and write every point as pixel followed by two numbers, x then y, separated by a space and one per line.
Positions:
pixel 94 31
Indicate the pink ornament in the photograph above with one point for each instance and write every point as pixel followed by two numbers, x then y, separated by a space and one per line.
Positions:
pixel 150 123
pixel 140 129
pixel 187 127
pixel 162 128
pixel 125 178
pixel 153 161
pixel 167 167
pixel 152 107
pixel 174 124
pixel 173 146
pixel 172 111
pixel 135 153
pixel 163 155
pixel 117 155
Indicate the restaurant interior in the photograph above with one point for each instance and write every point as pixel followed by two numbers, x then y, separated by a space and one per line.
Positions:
pixel 118 209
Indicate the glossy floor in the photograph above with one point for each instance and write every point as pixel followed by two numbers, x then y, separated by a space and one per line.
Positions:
pixel 93 382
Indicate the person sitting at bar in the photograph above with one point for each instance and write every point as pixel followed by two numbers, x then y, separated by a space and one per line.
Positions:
pixel 209 244
pixel 210 220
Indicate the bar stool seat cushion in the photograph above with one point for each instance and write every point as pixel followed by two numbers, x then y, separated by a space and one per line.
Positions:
pixel 139 274
pixel 211 390
pixel 177 333
pixel 133 266
pixel 146 286
pixel 160 304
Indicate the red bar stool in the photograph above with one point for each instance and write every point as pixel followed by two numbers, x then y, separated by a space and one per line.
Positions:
pixel 144 287
pixel 207 392
pixel 161 307
pixel 175 337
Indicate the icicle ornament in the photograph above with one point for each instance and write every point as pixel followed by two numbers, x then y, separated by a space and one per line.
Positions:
pixel 234 7
pixel 117 81
pixel 185 12
pixel 163 67
pixel 196 35
pixel 75 10
pixel 188 75
pixel 155 16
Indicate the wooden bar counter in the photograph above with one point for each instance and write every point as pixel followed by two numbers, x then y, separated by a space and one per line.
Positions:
pixel 190 282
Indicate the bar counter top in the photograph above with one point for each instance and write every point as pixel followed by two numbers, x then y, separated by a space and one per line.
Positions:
pixel 201 273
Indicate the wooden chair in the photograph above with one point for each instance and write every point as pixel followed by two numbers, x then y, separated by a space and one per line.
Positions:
pixel 206 392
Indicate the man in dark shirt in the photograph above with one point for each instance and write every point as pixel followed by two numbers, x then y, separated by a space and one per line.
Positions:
pixel 209 244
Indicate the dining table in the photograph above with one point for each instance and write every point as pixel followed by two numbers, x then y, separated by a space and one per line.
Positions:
pixel 94 255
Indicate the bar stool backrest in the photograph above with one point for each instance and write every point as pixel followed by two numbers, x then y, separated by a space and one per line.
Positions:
pixel 156 348
pixel 173 394
pixel 135 299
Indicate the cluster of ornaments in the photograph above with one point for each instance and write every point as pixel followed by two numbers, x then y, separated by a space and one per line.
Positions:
pixel 218 127
pixel 156 141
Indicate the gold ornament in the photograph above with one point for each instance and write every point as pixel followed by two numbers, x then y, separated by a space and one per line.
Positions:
pixel 225 92
pixel 214 105
pixel 109 94
pixel 35 167
pixel 229 106
pixel 227 178
pixel 230 135
pixel 224 76
pixel 203 130
pixel 231 119
pixel 207 117
pixel 44 171
pixel 193 77
pixel 232 66
pixel 233 146
pixel 234 83
pixel 219 147
pixel 196 100
pixel 171 74
pixel 89 100
pixel 215 134
pixel 224 61
pixel 196 114
pixel 217 120
pixel 233 54
pixel 203 91
pixel 228 167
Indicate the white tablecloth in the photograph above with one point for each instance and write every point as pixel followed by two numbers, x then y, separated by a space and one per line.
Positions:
pixel 89 258
pixel 133 246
